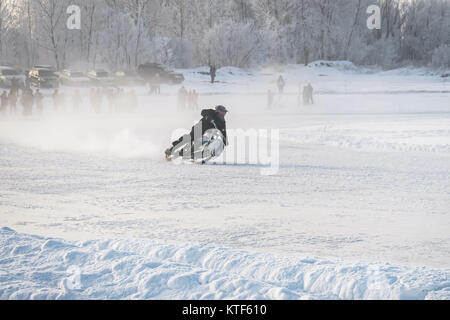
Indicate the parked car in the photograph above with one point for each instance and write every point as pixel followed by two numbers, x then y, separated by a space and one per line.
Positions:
pixel 128 78
pixel 149 70
pixel 101 78
pixel 10 75
pixel 74 78
pixel 43 77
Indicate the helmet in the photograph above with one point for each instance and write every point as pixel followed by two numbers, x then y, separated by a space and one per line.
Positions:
pixel 221 108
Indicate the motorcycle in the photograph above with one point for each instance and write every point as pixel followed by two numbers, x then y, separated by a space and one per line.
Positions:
pixel 211 145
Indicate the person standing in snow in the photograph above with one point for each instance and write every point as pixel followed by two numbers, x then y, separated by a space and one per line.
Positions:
pixel 157 81
pixel 305 95
pixel 61 98
pixel 3 102
pixel 110 99
pixel 27 102
pixel 132 101
pixel 97 100
pixel 14 87
pixel 76 102
pixel 56 100
pixel 38 98
pixel 92 97
pixel 281 83
pixel 191 100
pixel 310 93
pixel 151 86
pixel 121 100
pixel 212 73
pixel 155 84
pixel 182 97
pixel 13 97
pixel 194 100
pixel 27 83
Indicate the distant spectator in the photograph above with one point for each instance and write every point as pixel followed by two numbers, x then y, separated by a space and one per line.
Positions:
pixel 27 83
pixel 121 103
pixel 281 83
pixel 55 100
pixel 194 100
pixel 59 101
pixel 310 93
pixel 132 101
pixel 97 100
pixel 182 97
pixel 15 86
pixel 27 102
pixel 110 97
pixel 13 97
pixel 76 101
pixel 305 95
pixel 38 99
pixel 212 73
pixel 191 100
pixel 92 98
pixel 4 101
pixel 157 84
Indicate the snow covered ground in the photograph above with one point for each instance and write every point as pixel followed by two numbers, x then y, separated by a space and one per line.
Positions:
pixel 359 207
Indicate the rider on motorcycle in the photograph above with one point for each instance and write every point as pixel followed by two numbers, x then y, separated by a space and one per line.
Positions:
pixel 211 119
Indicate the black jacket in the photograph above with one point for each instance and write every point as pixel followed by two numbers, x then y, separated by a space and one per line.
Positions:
pixel 208 117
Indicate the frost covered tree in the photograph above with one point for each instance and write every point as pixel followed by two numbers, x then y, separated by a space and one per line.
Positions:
pixel 234 44
pixel 51 29
pixel 121 34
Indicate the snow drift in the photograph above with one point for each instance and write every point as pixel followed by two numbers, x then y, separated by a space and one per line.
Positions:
pixel 35 267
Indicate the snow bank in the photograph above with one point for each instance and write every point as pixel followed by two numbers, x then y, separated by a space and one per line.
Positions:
pixel 340 65
pixel 427 135
pixel 35 267
pixel 223 74
pixel 327 77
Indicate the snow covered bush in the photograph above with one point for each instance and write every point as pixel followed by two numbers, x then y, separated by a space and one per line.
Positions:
pixel 383 52
pixel 179 53
pixel 441 56
pixel 234 44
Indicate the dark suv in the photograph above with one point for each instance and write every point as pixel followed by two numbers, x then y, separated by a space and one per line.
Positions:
pixel 10 77
pixel 101 78
pixel 166 76
pixel 43 77
pixel 74 78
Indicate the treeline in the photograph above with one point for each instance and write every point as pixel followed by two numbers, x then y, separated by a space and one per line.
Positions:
pixel 118 34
